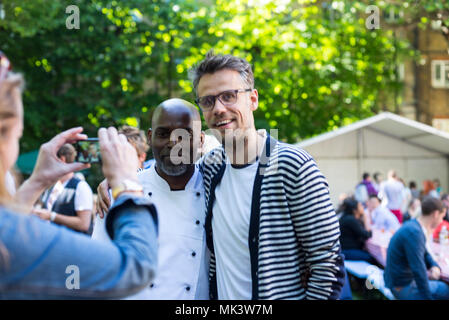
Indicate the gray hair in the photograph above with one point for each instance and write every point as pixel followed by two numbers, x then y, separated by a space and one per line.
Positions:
pixel 213 63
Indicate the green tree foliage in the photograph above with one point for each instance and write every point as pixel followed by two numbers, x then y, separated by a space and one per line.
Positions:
pixel 317 66
pixel 118 66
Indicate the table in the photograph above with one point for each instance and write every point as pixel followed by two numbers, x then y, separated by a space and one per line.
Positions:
pixel 441 255
pixel 377 246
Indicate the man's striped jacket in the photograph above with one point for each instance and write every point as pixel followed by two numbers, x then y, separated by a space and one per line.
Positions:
pixel 294 232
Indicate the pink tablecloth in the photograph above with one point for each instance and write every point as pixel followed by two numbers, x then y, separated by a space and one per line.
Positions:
pixel 377 246
pixel 441 255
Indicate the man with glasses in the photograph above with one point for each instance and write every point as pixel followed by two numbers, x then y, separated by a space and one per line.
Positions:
pixel 270 225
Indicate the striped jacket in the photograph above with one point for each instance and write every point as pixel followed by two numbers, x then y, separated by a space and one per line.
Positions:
pixel 294 232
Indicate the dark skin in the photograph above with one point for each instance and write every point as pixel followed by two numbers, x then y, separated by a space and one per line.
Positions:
pixel 171 115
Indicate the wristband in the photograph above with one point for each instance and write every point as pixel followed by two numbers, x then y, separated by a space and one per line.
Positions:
pixel 126 186
pixel 52 216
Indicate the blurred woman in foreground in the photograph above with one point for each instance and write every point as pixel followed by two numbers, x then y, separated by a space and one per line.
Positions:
pixel 40 260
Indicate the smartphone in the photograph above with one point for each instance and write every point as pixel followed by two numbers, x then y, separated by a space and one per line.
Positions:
pixel 88 151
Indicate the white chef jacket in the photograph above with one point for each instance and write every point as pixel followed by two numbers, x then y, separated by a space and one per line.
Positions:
pixel 183 258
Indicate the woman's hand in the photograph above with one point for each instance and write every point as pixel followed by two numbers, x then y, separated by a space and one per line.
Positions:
pixel 119 157
pixel 49 168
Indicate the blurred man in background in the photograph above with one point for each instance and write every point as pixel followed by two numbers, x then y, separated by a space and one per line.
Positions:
pixel 393 191
pixel 381 217
pixel 70 201
pixel 409 262
pixel 138 140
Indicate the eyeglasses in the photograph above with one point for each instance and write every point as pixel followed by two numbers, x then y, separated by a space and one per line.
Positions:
pixel 5 66
pixel 227 98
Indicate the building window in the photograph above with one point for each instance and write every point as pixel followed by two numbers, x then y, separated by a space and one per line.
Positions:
pixel 393 13
pixel 440 73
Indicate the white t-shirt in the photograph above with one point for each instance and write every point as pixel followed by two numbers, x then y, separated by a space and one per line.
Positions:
pixel 230 225
pixel 83 196
pixel 392 190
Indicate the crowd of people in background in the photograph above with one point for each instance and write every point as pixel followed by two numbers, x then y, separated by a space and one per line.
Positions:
pixel 412 216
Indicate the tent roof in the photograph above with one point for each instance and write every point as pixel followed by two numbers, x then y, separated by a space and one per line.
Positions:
pixel 395 126
pixel 26 161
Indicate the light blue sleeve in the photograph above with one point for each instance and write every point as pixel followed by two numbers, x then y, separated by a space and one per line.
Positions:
pixel 41 260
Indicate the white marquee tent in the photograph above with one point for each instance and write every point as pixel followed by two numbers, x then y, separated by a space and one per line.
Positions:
pixel 386 141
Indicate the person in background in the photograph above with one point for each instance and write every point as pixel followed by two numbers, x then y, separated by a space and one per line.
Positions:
pixel 429 189
pixel 340 207
pixel 413 211
pixel 411 273
pixel 35 255
pixel 406 196
pixel 437 185
pixel 381 217
pixel 364 189
pixel 392 190
pixel 80 176
pixel 355 228
pixel 69 202
pixel 377 180
pixel 445 200
pixel 413 190
pixel 445 222
pixel 138 140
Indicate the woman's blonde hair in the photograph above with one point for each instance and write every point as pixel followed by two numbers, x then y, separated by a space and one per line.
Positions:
pixel 9 87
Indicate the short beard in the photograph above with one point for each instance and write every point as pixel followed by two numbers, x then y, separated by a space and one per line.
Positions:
pixel 174 170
